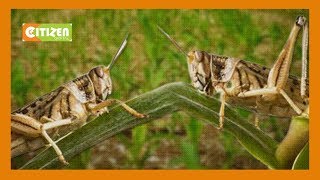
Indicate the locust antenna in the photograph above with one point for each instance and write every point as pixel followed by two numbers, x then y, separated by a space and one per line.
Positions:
pixel 173 41
pixel 120 50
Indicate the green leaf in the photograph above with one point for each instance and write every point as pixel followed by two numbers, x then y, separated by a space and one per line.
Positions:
pixel 80 161
pixel 302 160
pixel 158 103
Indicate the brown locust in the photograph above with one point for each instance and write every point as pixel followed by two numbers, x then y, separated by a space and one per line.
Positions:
pixel 63 110
pixel 272 92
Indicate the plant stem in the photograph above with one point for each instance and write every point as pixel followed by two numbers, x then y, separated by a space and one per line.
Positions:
pixel 292 144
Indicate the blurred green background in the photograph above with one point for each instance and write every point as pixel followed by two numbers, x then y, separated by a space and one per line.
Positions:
pixel 150 60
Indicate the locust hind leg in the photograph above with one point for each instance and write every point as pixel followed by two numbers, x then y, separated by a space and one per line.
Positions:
pixel 304 71
pixel 94 108
pixel 279 73
pixel 30 127
pixel 271 91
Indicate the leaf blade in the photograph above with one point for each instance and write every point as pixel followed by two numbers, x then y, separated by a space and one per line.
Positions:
pixel 158 103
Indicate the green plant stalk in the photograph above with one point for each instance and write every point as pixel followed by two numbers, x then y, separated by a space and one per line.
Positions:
pixel 158 103
pixel 296 138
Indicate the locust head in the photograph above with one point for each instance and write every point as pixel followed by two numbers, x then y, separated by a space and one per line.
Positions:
pixel 100 76
pixel 199 70
pixel 198 66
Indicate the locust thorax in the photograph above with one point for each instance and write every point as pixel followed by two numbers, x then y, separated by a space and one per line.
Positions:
pixel 100 77
pixel 199 70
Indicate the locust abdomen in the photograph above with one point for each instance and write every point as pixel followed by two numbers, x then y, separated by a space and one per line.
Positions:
pixel 250 76
pixel 67 101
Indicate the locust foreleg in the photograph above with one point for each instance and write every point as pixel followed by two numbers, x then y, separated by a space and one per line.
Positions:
pixel 222 106
pixel 103 105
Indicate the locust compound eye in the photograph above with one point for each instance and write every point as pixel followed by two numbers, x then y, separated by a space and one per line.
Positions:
pixel 198 55
pixel 99 72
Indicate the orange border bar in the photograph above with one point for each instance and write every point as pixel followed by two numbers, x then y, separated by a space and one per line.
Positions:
pixel 163 4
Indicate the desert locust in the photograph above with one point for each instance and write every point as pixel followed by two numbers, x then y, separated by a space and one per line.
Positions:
pixel 63 110
pixel 272 92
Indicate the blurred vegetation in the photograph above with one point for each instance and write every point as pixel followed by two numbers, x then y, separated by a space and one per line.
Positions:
pixel 150 60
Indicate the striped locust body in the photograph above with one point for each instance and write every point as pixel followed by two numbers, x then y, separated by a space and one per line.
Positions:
pixel 271 92
pixel 63 110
